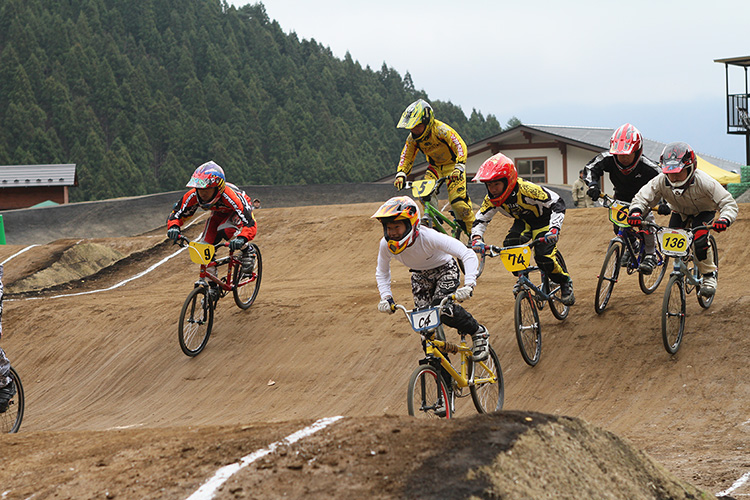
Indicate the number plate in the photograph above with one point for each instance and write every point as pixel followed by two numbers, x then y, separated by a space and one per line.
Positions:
pixel 516 259
pixel 421 189
pixel 425 319
pixel 618 214
pixel 675 242
pixel 201 253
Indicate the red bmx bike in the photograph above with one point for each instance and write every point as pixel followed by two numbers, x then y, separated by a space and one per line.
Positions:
pixel 197 315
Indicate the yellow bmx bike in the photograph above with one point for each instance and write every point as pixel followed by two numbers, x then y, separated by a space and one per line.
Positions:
pixel 435 383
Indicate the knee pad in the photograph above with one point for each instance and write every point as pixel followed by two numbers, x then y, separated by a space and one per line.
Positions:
pixel 700 243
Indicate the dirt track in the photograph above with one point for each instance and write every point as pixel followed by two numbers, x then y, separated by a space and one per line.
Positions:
pixel 110 360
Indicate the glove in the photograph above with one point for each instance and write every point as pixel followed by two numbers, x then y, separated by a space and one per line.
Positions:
pixel 552 235
pixel 464 293
pixel 477 244
pixel 173 233
pixel 635 218
pixel 457 171
pixel 237 243
pixel 400 181
pixel 386 305
pixel 663 209
pixel 721 224
pixel 594 192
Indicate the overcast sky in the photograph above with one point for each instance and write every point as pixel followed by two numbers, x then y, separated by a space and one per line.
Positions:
pixel 591 63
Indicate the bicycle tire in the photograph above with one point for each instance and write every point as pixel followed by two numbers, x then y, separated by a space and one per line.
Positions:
pixel 426 388
pixel 486 398
pixel 245 294
pixel 191 333
pixel 528 328
pixel 650 282
pixel 705 302
pixel 609 274
pixel 673 314
pixel 10 419
pixel 558 309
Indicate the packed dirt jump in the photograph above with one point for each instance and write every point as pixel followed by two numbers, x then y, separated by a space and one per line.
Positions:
pixel 114 409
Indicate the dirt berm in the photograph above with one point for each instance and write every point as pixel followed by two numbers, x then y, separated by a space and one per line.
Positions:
pixel 115 410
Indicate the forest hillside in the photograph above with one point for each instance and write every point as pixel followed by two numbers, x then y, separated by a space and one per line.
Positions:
pixel 137 93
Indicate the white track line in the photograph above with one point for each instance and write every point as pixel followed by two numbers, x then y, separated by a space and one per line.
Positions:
pixel 116 285
pixel 18 253
pixel 745 478
pixel 209 488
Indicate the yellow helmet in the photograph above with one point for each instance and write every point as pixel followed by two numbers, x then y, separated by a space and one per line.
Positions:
pixel 418 112
pixel 399 208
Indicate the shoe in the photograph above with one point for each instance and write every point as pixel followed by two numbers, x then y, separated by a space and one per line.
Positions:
pixel 6 394
pixel 248 261
pixel 566 293
pixel 708 288
pixel 440 409
pixel 625 259
pixel 480 348
pixel 648 264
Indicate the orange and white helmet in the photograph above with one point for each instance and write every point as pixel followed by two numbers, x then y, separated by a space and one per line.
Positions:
pixel 399 208
pixel 497 168
pixel 625 140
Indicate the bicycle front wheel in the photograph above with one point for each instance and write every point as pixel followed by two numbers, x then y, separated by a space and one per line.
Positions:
pixel 428 395
pixel 10 419
pixel 246 286
pixel 196 321
pixel 705 302
pixel 673 314
pixel 607 277
pixel 528 328
pixel 558 309
pixel 650 282
pixel 488 391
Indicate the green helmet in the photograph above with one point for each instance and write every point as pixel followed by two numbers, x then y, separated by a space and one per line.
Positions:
pixel 418 112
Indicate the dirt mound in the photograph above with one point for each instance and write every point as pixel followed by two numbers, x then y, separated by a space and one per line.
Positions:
pixel 118 401
pixel 502 455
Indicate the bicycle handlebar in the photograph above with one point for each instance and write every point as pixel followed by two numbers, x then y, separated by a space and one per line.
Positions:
pixel 438 183
pixel 494 251
pixel 183 242
pixel 407 311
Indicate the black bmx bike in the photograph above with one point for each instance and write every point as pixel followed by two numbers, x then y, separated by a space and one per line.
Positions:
pixel 12 416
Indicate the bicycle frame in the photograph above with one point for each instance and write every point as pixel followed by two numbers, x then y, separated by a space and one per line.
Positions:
pixel 434 348
pixel 627 236
pixel 543 292
pixel 201 255
pixel 424 190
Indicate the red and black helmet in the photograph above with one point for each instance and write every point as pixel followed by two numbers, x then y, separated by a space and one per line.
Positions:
pixel 624 141
pixel 676 157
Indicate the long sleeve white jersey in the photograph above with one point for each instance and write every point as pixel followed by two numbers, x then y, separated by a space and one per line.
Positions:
pixel 431 249
pixel 704 194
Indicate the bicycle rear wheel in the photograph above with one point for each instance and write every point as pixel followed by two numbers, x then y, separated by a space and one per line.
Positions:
pixel 607 277
pixel 705 302
pixel 558 309
pixel 673 314
pixel 196 321
pixel 246 286
pixel 650 282
pixel 488 391
pixel 427 392
pixel 528 328
pixel 10 419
